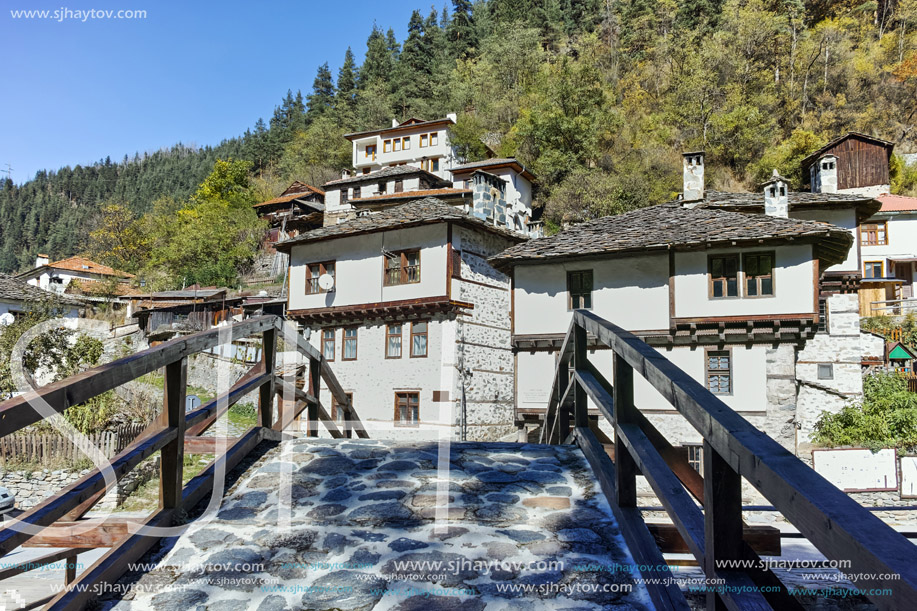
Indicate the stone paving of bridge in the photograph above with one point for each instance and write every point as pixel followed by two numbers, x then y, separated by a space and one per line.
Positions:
pixel 358 508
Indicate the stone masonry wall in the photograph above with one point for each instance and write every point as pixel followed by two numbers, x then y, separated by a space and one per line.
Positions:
pixel 484 355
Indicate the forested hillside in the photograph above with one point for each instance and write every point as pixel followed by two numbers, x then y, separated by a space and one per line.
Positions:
pixel 597 97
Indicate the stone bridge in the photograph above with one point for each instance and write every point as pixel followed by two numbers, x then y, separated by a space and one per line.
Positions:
pixel 366 524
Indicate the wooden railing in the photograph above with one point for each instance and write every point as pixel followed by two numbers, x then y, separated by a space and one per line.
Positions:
pixel 707 512
pixel 893 307
pixel 175 431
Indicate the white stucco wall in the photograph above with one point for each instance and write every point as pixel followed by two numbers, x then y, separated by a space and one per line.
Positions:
pixel 901 238
pixel 359 267
pixel 11 306
pixel 845 218
pixel 793 285
pixel 749 370
pixel 630 291
pixel 412 156
pixel 374 379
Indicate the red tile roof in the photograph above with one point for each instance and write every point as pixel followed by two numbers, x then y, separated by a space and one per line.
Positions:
pixel 82 264
pixel 898 203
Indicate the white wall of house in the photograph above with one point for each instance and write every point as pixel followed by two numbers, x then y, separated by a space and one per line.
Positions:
pixel 901 238
pixel 58 280
pixel 359 265
pixel 794 273
pixel 846 218
pixel 374 379
pixel 442 150
pixel 13 307
pixel 629 291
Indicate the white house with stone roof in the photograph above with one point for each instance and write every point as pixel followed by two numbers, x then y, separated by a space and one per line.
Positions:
pixel 414 142
pixel 727 289
pixel 414 320
pixel 16 297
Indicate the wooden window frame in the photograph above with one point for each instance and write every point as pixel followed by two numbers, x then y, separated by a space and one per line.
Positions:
pixel 729 372
pixel 389 334
pixel 591 276
pixel 345 195
pixel 424 139
pixel 344 339
pixel 396 145
pixel 457 264
pixel 403 266
pixel 397 416
pixel 744 275
pixel 334 405
pixel 873 228
pixel 434 139
pixel 323 266
pixel 426 344
pixel 366 150
pixel 867 264
pixel 386 146
pixel 406 143
pixel 711 280
pixel 333 344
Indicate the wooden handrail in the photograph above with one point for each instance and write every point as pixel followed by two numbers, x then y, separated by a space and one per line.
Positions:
pixel 733 449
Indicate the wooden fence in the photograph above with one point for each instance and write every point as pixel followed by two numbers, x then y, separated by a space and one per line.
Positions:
pixel 707 509
pixel 52 448
pixel 170 434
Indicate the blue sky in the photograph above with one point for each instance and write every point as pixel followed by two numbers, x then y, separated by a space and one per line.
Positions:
pixel 194 72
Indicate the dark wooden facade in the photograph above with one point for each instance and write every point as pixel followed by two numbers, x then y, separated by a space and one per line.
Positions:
pixel 862 161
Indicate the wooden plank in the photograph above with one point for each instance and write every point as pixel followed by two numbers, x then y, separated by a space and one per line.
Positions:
pixel 266 391
pixel 208 445
pixel 836 524
pixel 29 565
pixel 640 542
pixel 82 534
pixel 203 417
pixel 625 465
pixel 764 540
pixel 580 362
pixel 172 455
pixel 722 519
pixel 558 386
pixel 308 400
pixel 18 412
pixel 686 515
pixel 55 507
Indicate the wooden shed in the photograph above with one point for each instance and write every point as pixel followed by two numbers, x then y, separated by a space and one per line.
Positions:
pixel 862 161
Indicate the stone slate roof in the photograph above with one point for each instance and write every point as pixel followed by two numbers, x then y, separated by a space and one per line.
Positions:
pixel 389 172
pixel 673 226
pixel 751 202
pixel 494 162
pixel 14 289
pixel 411 123
pixel 426 211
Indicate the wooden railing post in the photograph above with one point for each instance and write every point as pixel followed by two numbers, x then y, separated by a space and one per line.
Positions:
pixel 580 401
pixel 625 466
pixel 722 517
pixel 315 387
pixel 266 392
pixel 348 428
pixel 562 419
pixel 173 453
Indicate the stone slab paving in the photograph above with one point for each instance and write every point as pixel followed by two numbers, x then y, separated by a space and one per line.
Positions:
pixel 358 525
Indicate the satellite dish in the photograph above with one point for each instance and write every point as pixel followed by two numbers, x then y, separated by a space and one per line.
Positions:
pixel 6 319
pixel 326 282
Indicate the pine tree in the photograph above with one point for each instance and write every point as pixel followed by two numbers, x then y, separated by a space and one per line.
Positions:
pixel 322 97
pixel 415 69
pixel 347 80
pixel 377 66
pixel 461 33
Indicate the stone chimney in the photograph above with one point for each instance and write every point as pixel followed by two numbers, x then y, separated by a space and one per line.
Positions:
pixel 823 174
pixel 41 260
pixel 693 171
pixel 488 198
pixel 776 200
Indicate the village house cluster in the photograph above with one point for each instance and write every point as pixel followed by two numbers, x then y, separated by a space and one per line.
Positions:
pixel 437 273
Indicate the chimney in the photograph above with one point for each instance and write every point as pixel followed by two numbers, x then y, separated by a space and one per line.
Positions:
pixel 823 174
pixel 394 122
pixel 488 198
pixel 41 260
pixel 693 172
pixel 452 116
pixel 776 202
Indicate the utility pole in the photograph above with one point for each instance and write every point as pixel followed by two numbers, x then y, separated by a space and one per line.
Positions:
pixel 8 171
